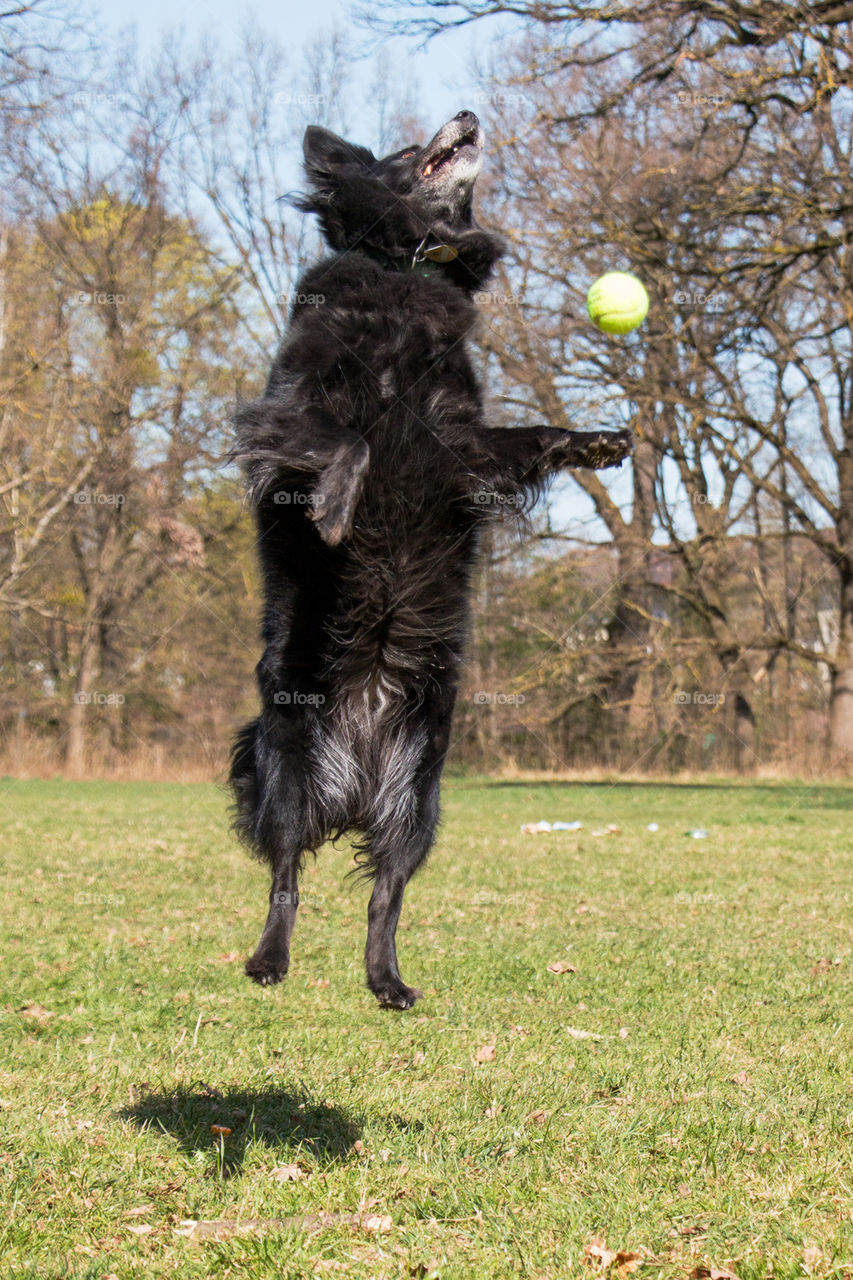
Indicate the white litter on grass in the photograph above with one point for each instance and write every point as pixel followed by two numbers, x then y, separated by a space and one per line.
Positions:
pixel 697 834
pixel 653 826
pixel 538 828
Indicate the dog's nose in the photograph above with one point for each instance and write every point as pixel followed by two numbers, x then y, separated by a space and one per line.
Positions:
pixel 467 116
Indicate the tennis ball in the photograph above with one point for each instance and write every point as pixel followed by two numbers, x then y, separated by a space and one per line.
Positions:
pixel 617 302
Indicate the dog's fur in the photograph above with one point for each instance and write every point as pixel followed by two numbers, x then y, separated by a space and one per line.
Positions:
pixel 371 471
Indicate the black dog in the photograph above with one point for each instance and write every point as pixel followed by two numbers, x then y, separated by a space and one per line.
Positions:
pixel 370 471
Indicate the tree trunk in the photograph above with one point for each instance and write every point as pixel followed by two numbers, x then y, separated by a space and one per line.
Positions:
pixel 841 705
pixel 75 749
pixel 629 689
pixel 744 735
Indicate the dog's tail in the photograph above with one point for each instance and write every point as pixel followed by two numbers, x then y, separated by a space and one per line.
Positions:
pixel 243 780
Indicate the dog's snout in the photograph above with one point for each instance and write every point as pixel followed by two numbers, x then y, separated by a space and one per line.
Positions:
pixel 467 116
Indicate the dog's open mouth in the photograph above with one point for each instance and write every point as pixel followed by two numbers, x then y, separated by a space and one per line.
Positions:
pixel 443 158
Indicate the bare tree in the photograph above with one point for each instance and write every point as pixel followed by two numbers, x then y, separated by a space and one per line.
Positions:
pixel 707 147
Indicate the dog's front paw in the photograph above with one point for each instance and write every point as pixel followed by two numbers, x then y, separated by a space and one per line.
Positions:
pixel 594 449
pixel 612 448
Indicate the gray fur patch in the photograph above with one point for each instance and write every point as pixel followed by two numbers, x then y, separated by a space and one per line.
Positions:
pixel 362 762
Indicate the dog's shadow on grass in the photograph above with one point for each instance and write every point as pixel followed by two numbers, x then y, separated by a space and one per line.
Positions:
pixel 222 1124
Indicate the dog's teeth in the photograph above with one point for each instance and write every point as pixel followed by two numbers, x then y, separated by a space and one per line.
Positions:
pixel 428 170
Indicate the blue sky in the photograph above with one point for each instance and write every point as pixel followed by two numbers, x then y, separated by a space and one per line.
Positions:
pixel 442 70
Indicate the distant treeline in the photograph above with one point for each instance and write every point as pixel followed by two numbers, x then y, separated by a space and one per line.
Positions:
pixel 694 611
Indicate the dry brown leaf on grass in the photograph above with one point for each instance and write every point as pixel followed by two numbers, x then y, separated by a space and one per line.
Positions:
pixel 197 1231
pixel 36 1012
pixel 742 1078
pixel 229 957
pixel 426 1270
pixel 139 1211
pixel 600 1258
pixel 562 966
pixel 208 1091
pixel 288 1173
pixel 712 1273
pixel 539 1117
pixel 139 1228
pixel 578 1034
pixel 812 1258
pixel 824 964
pixel 375 1223
pixel 485 1053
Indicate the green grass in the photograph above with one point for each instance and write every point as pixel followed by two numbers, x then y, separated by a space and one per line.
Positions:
pixel 709 1125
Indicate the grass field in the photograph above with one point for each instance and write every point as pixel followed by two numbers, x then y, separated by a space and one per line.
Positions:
pixel 681 1092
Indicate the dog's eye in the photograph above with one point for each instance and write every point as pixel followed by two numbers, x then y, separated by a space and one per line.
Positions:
pixel 406 155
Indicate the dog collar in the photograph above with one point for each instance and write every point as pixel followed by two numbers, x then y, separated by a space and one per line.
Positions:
pixel 425 261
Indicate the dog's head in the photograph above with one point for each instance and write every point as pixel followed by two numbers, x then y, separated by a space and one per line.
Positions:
pixel 410 210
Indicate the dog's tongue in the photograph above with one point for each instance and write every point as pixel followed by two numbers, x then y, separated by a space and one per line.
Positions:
pixel 445 156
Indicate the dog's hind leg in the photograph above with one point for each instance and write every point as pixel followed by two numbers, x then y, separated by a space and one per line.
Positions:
pixel 395 862
pixel 268 778
pixel 270 960
pixel 393 873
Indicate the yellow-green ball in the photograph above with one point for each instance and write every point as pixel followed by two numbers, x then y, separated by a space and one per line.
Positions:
pixel 617 302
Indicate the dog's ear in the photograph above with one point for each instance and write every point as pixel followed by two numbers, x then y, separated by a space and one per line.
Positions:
pixel 325 154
